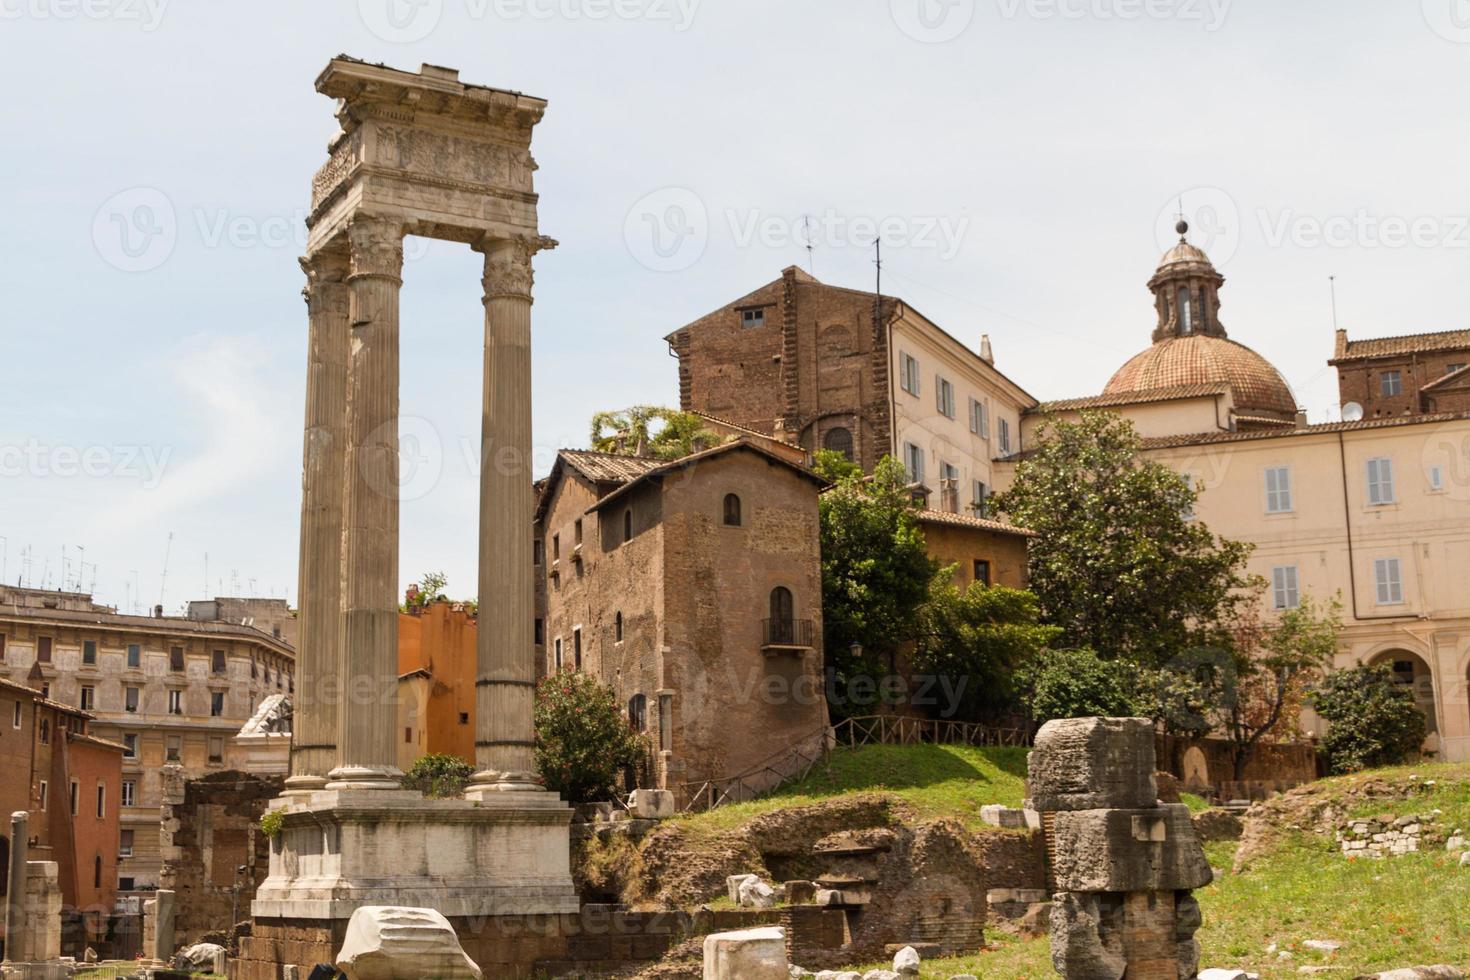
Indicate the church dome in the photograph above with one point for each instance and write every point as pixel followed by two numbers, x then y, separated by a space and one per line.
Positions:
pixel 1190 346
pixel 1200 359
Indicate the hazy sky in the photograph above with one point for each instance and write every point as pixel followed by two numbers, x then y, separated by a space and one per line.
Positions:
pixel 1023 158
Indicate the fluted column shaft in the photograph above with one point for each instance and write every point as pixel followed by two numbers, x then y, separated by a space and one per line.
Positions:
pixel 506 675
pixel 367 715
pixel 314 721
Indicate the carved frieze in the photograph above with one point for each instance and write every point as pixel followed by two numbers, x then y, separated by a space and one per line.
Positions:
pixel 346 157
pixel 448 156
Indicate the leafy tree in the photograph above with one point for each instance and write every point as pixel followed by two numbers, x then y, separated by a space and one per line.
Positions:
pixel 426 591
pixel 832 465
pixel 1118 563
pixel 1372 720
pixel 875 571
pixel 1080 684
pixel 438 775
pixel 652 431
pixel 1275 665
pixel 979 636
pixel 582 740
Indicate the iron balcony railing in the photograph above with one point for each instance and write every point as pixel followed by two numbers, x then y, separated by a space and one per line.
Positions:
pixel 786 632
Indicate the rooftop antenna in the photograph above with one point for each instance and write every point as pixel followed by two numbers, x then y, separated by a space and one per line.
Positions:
pixel 163 578
pixel 4 545
pixel 1332 288
pixel 137 591
pixel 206 574
pixel 806 233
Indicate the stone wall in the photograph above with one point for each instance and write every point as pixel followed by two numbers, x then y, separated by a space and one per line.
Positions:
pixel 210 828
pixel 1204 766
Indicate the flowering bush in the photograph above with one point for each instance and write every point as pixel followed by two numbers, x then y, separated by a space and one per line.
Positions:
pixel 582 739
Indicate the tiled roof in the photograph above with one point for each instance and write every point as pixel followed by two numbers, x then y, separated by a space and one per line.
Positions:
pixel 1411 343
pixel 1131 397
pixel 1201 359
pixel 749 445
pixel 150 624
pixel 980 523
pixel 1166 442
pixel 608 467
pixel 1451 380
pixel 42 699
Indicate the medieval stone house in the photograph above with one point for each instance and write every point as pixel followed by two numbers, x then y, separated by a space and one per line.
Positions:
pixel 693 588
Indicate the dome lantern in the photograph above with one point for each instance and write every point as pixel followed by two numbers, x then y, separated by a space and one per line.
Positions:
pixel 1186 291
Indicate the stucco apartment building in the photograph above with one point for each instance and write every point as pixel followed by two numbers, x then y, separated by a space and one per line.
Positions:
pixel 1376 510
pixel 693 588
pixel 69 780
pixel 826 367
pixel 173 691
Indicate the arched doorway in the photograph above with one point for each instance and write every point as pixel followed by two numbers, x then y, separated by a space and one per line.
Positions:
pixel 1410 670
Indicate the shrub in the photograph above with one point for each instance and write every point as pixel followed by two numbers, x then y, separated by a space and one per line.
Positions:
pixel 582 740
pixel 438 775
pixel 270 822
pixel 1372 720
pixel 1080 684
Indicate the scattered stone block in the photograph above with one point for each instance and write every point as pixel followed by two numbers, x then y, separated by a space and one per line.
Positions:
pixel 1215 973
pixel 200 956
pixel 749 954
pixel 652 804
pixel 1465 860
pixel 1322 945
pixel 1003 816
pixel 801 892
pixel 733 883
pixel 881 975
pixel 1093 763
pixel 906 962
pixel 756 894
pixel 1440 972
pixel 395 943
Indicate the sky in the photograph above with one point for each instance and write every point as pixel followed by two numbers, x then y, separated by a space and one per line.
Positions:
pixel 1023 160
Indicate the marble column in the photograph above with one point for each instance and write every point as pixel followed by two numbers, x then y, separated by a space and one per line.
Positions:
pixel 368 658
pixel 505 685
pixel 16 930
pixel 314 721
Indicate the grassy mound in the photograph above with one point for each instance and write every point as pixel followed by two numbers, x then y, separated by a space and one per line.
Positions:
pixel 937 781
pixel 1403 911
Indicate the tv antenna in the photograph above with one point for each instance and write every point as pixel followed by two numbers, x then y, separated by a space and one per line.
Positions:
pixel 806 234
pixel 1332 289
pixel 163 579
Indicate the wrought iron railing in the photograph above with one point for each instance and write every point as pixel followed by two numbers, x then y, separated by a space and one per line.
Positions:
pixel 787 632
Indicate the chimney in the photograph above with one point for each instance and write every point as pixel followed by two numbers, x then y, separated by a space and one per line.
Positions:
pixel 985 353
pixel 158 611
pixel 1301 418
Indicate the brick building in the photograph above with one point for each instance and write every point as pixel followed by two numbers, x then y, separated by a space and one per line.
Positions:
pixel 69 780
pixel 1413 374
pixel 982 550
pixel 692 588
pixel 832 368
pixel 172 690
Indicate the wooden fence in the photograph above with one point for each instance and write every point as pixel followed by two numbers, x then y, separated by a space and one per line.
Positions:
pixel 793 764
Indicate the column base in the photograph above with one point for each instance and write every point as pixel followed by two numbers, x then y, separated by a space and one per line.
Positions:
pixel 364 777
pixel 339 850
pixel 297 786
pixel 491 781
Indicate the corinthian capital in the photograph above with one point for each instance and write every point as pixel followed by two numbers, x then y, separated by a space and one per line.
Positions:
pixel 508 273
pixel 377 247
pixel 326 278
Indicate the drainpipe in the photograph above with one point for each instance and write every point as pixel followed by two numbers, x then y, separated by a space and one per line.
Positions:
pixel 1347 523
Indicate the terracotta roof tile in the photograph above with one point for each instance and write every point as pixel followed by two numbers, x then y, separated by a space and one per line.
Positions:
pixel 1451 380
pixel 608 467
pixel 1131 397
pixel 980 523
pixel 1412 343
pixel 1202 359
pixel 1165 442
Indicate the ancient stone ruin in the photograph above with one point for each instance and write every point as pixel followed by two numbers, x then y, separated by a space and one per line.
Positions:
pixel 1123 865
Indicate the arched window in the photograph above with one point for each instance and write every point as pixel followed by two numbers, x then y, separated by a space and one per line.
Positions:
pixel 618 627
pixel 628 524
pixel 638 713
pixel 838 440
pixel 783 622
pixel 732 510
pixel 1186 312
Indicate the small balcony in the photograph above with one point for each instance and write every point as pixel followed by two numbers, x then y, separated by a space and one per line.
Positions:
pixel 786 635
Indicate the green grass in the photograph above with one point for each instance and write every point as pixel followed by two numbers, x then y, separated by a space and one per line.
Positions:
pixel 1195 803
pixel 1397 912
pixel 935 780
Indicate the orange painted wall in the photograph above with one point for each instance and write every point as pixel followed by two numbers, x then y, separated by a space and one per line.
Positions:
pixel 441 640
pixel 92 765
